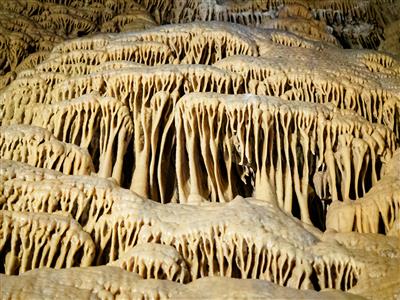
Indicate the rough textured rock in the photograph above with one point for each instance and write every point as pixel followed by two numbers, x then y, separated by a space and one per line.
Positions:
pixel 85 198
pixel 100 124
pixel 10 169
pixel 363 81
pixel 217 242
pixel 31 28
pixel 355 24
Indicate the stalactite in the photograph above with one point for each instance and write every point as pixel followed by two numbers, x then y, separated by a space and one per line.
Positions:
pixel 308 139
pixel 376 212
pixel 356 86
pixel 86 199
pixel 154 261
pixel 37 147
pixel 134 149
pixel 24 242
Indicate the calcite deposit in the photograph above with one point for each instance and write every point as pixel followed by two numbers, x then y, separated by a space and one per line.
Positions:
pixel 202 149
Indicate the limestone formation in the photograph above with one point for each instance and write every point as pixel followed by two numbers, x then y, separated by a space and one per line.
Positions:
pixel 276 150
pixel 355 24
pixel 39 148
pixel 30 27
pixel 391 43
pixel 199 149
pixel 85 198
pixel 100 124
pixel 366 82
pixel 377 211
pixel 30 241
pixel 217 242
pixel 111 282
pixel 154 261
pixel 10 169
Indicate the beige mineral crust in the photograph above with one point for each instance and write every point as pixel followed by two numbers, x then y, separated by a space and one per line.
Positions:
pixel 36 240
pixel 377 211
pixel 202 149
pixel 91 122
pixel 356 24
pixel 218 243
pixel 154 261
pixel 10 169
pixel 30 28
pixel 218 233
pixel 363 81
pixel 85 198
pixel 39 148
pixel 107 282
pixel 253 145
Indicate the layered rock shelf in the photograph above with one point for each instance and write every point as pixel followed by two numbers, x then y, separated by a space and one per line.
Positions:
pixel 217 149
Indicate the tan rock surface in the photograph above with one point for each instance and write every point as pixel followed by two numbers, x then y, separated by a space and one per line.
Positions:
pixel 244 155
pixel 39 148
pixel 112 282
pixel 30 241
pixel 153 260
pixel 31 28
pixel 267 159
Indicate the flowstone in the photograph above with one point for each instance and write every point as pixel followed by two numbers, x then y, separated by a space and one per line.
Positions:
pixel 203 149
